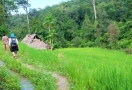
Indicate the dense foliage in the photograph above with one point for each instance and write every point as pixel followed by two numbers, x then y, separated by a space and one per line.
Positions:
pixel 75 25
pixel 6 6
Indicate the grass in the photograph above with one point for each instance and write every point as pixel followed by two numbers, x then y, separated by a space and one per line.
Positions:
pixel 85 68
pixel 40 80
pixel 8 81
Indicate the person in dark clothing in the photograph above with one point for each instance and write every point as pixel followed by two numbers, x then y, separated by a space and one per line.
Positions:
pixel 13 43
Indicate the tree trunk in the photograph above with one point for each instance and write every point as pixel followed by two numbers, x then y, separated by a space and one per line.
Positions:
pixel 94 7
pixel 98 36
pixel 50 38
pixel 28 26
pixel 52 44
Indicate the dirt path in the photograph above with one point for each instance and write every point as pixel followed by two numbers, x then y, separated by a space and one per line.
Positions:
pixel 61 81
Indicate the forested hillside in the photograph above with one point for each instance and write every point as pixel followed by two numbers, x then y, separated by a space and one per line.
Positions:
pixel 73 24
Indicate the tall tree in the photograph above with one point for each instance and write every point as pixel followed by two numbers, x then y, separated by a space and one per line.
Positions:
pixel 94 8
pixel 87 30
pixel 2 15
pixel 128 12
pixel 6 6
pixel 36 26
pixel 24 4
pixel 97 28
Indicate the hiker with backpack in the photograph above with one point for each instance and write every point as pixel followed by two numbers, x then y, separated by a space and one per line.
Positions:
pixel 13 43
pixel 5 41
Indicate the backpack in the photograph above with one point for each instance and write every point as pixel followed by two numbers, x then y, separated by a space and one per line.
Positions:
pixel 13 42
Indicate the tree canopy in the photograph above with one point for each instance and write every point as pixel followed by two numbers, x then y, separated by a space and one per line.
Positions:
pixel 75 24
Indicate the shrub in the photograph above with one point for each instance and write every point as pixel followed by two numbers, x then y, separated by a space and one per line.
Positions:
pixel 128 50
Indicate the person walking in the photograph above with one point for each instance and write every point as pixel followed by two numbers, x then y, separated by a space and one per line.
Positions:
pixel 13 43
pixel 5 41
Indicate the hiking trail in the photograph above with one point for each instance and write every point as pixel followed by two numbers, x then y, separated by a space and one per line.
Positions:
pixel 61 80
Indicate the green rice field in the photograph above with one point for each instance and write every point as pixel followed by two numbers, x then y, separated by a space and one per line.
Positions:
pixel 84 68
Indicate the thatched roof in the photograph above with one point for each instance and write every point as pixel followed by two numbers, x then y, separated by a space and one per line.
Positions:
pixel 34 41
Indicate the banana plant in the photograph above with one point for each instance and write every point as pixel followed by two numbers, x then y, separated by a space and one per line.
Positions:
pixel 48 22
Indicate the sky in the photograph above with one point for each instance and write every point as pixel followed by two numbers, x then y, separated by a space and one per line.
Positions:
pixel 42 3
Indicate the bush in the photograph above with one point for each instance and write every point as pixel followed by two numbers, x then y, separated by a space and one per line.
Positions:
pixel 124 43
pixel 76 41
pixel 128 50
pixel 3 29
